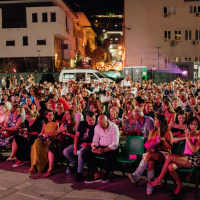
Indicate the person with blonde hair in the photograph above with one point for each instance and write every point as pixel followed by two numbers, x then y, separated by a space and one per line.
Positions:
pixel 21 146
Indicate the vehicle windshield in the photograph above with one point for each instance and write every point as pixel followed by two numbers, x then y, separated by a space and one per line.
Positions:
pixel 100 75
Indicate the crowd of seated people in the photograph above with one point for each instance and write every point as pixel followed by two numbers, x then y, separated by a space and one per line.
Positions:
pixel 41 123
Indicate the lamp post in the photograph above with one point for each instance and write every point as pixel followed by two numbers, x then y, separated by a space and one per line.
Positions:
pixel 158 56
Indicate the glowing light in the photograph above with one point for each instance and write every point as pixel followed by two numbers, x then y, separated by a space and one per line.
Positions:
pixel 120 52
pixel 184 72
pixel 119 47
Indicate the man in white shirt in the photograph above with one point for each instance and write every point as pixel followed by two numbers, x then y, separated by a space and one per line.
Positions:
pixel 126 82
pixel 105 142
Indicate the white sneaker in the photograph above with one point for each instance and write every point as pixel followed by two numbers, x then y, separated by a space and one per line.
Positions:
pixel 149 189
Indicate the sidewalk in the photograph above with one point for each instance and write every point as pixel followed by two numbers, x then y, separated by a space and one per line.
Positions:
pixel 17 183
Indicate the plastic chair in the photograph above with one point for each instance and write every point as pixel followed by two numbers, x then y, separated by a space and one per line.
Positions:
pixel 134 145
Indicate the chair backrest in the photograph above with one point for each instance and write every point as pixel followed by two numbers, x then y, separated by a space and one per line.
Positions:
pixel 181 148
pixel 134 145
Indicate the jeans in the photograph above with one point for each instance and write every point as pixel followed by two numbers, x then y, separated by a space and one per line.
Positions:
pixel 68 153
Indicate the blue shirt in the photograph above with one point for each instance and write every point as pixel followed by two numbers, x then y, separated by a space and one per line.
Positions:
pixel 147 126
pixel 166 91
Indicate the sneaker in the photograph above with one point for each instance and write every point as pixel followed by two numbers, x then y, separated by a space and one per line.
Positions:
pixel 105 178
pixel 134 177
pixel 92 180
pixel 149 189
pixel 79 177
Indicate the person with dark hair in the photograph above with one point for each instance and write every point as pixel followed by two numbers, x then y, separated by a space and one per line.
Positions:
pixel 156 154
pixel 148 109
pixel 82 142
pixel 139 102
pixel 54 100
pixel 189 159
pixel 21 146
pixel 24 97
pixel 39 158
pixel 63 138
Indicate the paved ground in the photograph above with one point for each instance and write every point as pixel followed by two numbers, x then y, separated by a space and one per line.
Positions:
pixel 17 183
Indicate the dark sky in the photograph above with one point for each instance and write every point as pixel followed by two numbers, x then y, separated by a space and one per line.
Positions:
pixel 93 7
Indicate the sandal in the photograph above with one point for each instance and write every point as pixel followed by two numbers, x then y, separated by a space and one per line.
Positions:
pixel 49 171
pixel 33 169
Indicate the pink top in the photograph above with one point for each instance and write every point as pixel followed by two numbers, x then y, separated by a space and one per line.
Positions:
pixel 187 148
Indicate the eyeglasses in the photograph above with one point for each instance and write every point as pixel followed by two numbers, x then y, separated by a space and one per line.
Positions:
pixel 92 107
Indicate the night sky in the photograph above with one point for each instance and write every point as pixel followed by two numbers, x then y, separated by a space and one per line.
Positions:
pixel 97 7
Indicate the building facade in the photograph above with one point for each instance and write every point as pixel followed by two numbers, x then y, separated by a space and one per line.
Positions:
pixel 157 33
pixel 42 36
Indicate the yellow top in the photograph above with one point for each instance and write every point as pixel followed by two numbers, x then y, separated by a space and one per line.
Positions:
pixel 49 127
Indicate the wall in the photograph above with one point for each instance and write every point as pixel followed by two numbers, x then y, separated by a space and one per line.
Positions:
pixel 145 25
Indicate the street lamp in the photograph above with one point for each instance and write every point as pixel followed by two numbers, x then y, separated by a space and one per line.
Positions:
pixel 158 55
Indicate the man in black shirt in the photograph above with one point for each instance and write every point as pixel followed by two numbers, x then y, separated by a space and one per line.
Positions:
pixel 82 142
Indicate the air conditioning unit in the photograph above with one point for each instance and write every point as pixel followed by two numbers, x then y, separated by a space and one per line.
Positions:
pixel 173 43
pixel 197 14
pixel 166 15
pixel 194 42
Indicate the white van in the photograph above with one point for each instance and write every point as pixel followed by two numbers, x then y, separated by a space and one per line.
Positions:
pixel 74 74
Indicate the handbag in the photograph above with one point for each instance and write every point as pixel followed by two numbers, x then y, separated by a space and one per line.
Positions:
pixel 152 142
pixel 7 133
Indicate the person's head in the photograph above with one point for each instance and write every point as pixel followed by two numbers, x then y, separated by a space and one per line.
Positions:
pixel 130 114
pixel 161 122
pixel 114 111
pixel 7 91
pixel 46 91
pixel 181 117
pixel 158 98
pixel 94 108
pixel 166 106
pixel 139 101
pixel 68 97
pixel 116 102
pixel 49 116
pixel 3 107
pixel 53 98
pixel 128 78
pixel 191 96
pixel 5 97
pixel 183 96
pixel 148 106
pixel 60 108
pixel 16 109
pixel 28 101
pixel 137 113
pixel 79 96
pixel 193 124
pixel 175 102
pixel 90 118
pixel 24 93
pixel 103 122
pixel 31 115
pixel 108 92
pixel 129 106
pixel 70 115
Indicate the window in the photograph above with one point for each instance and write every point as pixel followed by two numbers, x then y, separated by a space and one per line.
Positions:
pixel 68 76
pixel 170 10
pixel 167 62
pixel 188 35
pixel 197 34
pixel 65 46
pixel 66 22
pixel 178 35
pixel 44 17
pixel 34 17
pixel 41 42
pixel 188 59
pixel 25 40
pixel 92 76
pixel 10 43
pixel 167 35
pixel 53 17
pixel 194 9
pixel 178 59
